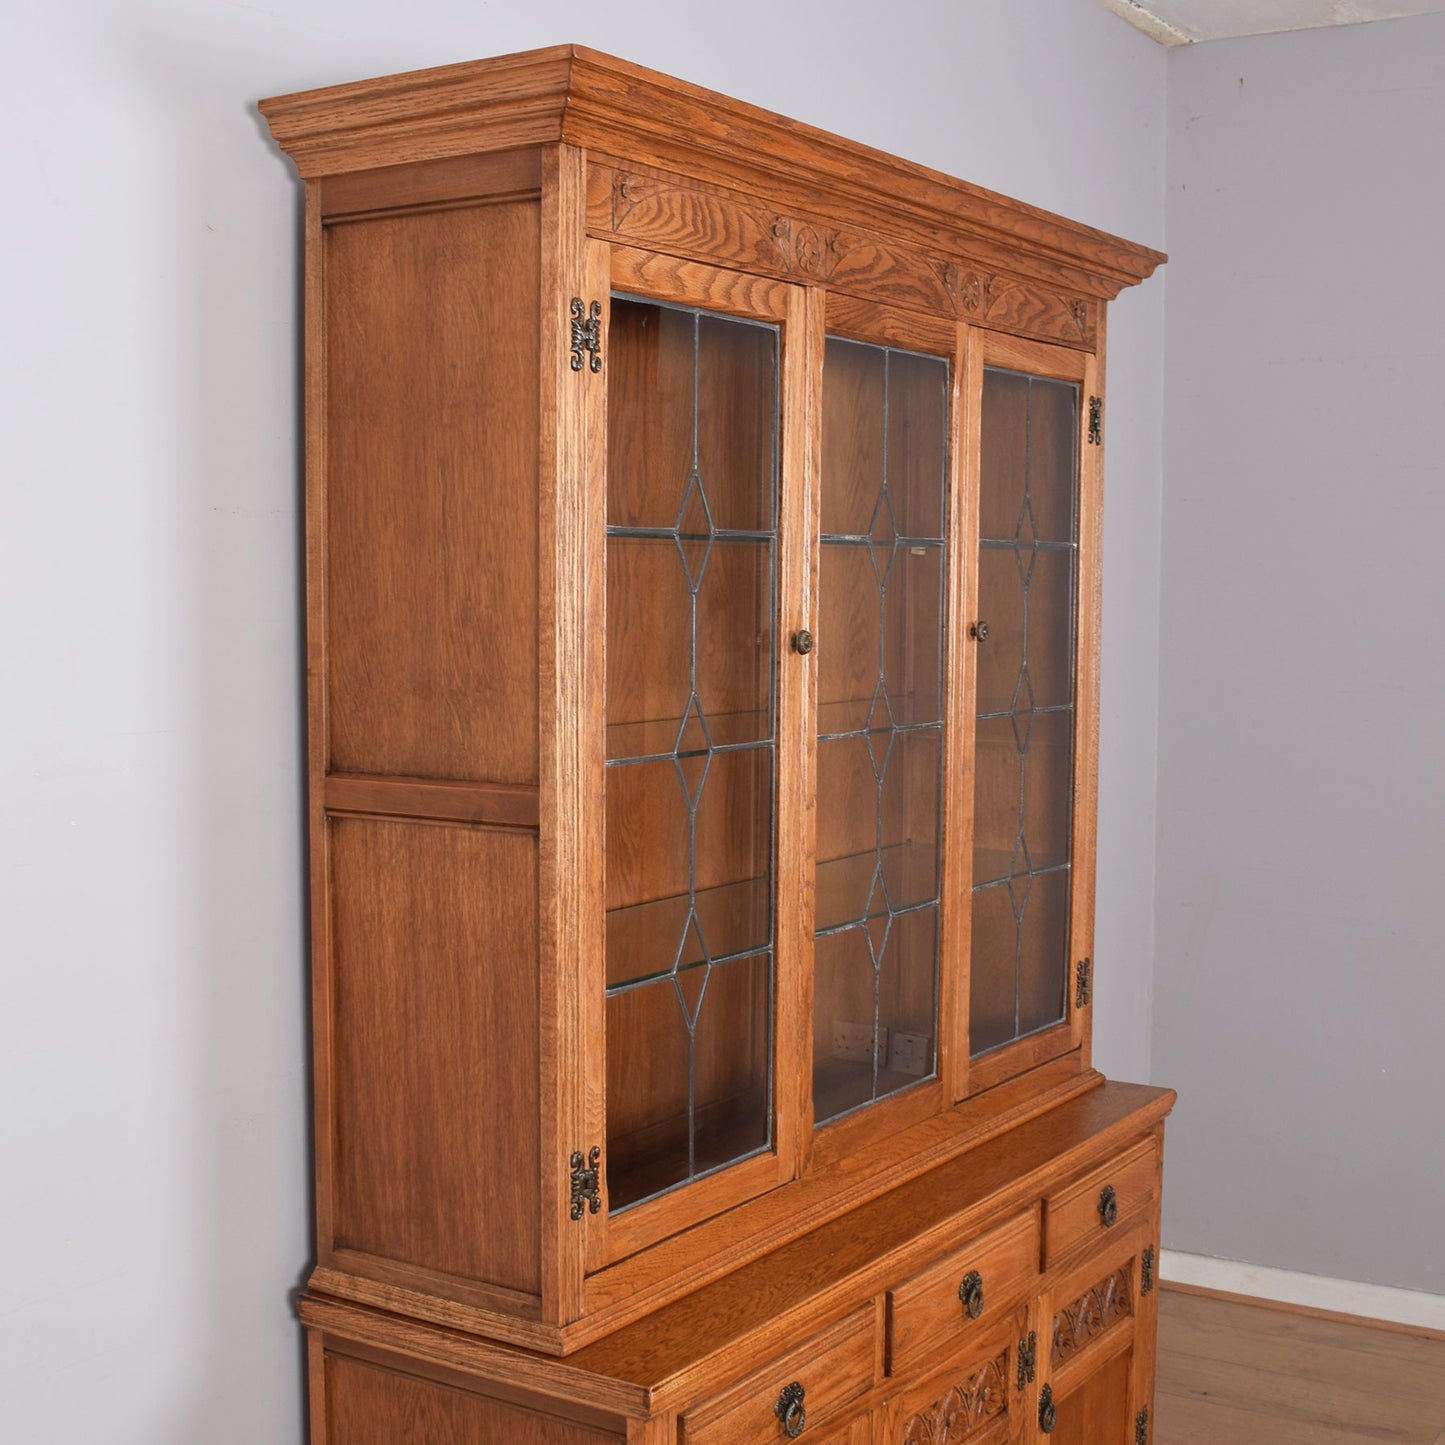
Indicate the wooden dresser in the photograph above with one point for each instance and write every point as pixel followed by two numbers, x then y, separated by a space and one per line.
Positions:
pixel 703 520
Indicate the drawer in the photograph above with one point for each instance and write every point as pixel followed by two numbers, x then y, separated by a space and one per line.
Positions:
pixel 833 1367
pixel 1090 1210
pixel 963 1292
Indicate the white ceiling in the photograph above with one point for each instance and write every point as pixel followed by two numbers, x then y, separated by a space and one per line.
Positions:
pixel 1181 22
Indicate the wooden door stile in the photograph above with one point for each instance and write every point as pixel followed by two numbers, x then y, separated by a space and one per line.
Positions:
pixel 959 670
pixel 1091 632
pixel 569 702
pixel 796 897
pixel 318 729
pixel 965 650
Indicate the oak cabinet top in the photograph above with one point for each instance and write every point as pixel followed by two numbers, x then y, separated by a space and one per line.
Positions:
pixel 583 97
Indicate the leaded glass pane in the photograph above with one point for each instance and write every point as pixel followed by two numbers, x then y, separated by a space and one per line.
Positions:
pixel 880 722
pixel 1023 736
pixel 691 637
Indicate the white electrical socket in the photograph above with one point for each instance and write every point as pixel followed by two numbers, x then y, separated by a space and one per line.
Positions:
pixel 855 1041
pixel 909 1054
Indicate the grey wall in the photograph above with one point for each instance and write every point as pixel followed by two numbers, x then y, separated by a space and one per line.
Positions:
pixel 1300 984
pixel 153 1154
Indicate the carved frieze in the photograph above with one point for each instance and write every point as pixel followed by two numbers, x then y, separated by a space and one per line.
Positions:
pixel 964 1409
pixel 728 228
pixel 1090 1315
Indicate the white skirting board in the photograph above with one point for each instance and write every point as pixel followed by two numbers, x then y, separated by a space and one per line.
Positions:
pixel 1312 1291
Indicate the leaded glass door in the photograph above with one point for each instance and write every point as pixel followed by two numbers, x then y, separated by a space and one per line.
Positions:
pixel 1031 629
pixel 881 717
pixel 691 770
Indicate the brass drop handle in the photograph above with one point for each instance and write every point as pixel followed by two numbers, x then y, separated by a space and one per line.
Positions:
pixel 1048 1415
pixel 979 630
pixel 1108 1206
pixel 971 1293
pixel 789 1409
pixel 803 642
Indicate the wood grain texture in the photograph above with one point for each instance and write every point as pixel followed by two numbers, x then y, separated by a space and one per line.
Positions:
pixel 434 1019
pixel 568 692
pixel 670 214
pixel 814 1310
pixel 1235 1372
pixel 927 1313
pixel 834 1367
pixel 432 438
pixel 317 728
pixel 1072 1215
pixel 855 1255
pixel 504 175
pixel 967 1393
pixel 803 344
pixel 494 804
pixel 367 1404
pixel 1097 1410
pixel 612 107
pixel 477 644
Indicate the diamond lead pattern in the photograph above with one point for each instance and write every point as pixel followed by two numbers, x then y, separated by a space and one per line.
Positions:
pixel 894 727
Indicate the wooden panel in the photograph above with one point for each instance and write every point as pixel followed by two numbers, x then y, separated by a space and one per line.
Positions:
pixel 834 1367
pixel 494 804
pixel 1097 1411
pixel 972 1398
pixel 729 228
pixel 1083 1320
pixel 435 1029
pixel 612 107
pixel 367 1404
pixel 461 178
pixel 569 688
pixel 1073 1218
pixel 927 1313
pixel 432 411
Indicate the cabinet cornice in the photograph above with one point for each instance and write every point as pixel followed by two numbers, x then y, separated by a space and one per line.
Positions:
pixel 583 97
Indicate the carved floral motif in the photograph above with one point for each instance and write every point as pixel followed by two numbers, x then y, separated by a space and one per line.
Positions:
pixel 807 250
pixel 628 190
pixel 966 1407
pixel 970 290
pixel 1090 1316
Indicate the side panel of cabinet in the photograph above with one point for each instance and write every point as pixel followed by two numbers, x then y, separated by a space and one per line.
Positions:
pixel 433 1003
pixel 424 417
pixel 366 1403
pixel 431 412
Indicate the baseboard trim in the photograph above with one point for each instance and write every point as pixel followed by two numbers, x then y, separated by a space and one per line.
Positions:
pixel 1405 1308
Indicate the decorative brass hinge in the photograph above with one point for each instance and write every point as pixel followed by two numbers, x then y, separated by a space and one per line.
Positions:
pixel 584 1183
pixel 1141 1427
pixel 1096 418
pixel 586 334
pixel 1028 1359
pixel 1146 1270
pixel 1084 982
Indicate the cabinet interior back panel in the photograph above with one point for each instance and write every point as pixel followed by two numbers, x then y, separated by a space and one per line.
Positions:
pixel 432 407
pixel 434 1021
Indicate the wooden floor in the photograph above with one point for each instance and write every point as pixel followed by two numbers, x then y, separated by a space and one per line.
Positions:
pixel 1233 1373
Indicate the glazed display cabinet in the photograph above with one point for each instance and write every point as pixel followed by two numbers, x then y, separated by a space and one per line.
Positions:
pixel 703 524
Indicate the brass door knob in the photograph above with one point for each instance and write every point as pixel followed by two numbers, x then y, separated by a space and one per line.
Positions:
pixel 979 630
pixel 803 642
